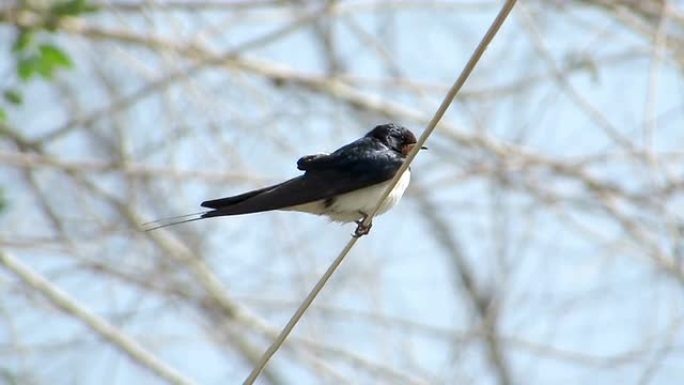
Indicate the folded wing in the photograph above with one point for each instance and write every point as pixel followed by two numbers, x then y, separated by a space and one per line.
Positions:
pixel 326 176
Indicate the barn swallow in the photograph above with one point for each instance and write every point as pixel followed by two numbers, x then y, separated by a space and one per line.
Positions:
pixel 344 185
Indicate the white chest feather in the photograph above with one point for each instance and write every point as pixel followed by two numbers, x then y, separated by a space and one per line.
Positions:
pixel 350 206
pixel 346 207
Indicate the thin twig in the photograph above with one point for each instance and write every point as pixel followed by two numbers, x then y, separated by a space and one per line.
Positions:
pixel 448 99
pixel 108 331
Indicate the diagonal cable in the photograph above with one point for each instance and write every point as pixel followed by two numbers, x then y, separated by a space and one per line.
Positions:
pixel 448 99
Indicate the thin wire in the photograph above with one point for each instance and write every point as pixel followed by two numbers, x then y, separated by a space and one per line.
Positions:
pixel 448 99
pixel 298 313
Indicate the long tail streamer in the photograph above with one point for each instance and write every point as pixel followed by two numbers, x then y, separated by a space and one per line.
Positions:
pixel 170 221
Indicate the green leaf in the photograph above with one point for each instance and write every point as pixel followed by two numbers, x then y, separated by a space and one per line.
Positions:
pixel 54 57
pixel 44 63
pixel 27 67
pixel 3 115
pixel 72 8
pixel 23 40
pixel 13 96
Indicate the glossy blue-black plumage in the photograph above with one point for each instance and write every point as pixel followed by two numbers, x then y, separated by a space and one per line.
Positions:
pixel 368 161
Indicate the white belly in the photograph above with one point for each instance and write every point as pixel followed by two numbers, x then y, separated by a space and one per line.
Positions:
pixel 349 207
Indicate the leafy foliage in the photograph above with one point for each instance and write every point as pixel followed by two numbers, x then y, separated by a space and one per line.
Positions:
pixel 44 61
pixel 36 55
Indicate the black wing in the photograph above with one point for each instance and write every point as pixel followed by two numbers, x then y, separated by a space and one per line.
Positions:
pixel 360 164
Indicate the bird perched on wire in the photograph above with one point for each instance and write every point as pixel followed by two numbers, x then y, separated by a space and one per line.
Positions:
pixel 345 185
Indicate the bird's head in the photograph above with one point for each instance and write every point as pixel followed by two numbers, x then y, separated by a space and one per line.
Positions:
pixel 394 136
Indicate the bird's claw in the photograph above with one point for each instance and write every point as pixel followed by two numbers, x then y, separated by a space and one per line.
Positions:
pixel 362 229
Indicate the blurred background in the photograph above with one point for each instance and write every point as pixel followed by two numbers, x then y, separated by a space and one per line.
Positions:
pixel 540 242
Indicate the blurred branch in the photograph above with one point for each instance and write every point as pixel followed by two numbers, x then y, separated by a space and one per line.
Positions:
pixel 582 207
pixel 484 304
pixel 100 326
pixel 560 77
pixel 446 102
pixel 644 16
pixel 38 161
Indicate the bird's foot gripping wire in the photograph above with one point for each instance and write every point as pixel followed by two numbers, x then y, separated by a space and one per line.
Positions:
pixel 362 229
